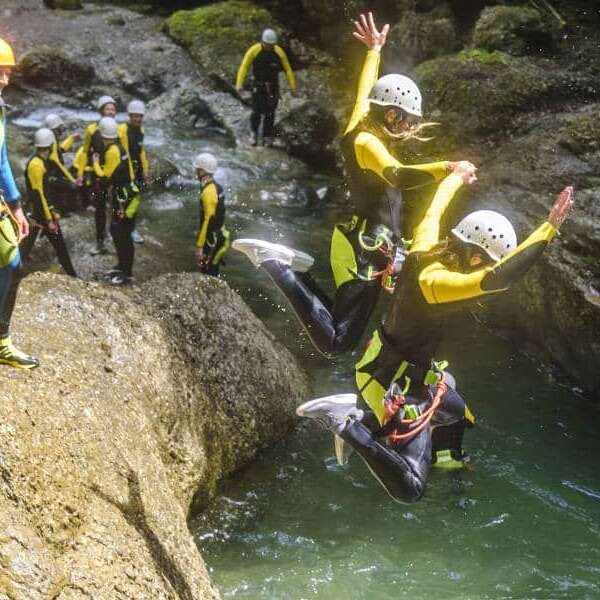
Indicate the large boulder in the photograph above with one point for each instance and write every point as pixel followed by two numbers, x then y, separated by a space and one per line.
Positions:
pixel 482 91
pixel 218 35
pixel 52 68
pixel 309 132
pixel 514 29
pixel 143 402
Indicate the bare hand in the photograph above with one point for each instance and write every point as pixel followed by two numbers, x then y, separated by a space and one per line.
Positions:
pixel 465 170
pixel 367 33
pixel 77 136
pixel 78 181
pixel 200 257
pixel 22 221
pixel 96 157
pixel 561 208
pixel 52 226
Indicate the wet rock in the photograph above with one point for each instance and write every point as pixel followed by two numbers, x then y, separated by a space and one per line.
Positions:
pixel 582 135
pixel 514 29
pixel 418 37
pixel 480 91
pixel 64 4
pixel 161 169
pixel 52 68
pixel 309 132
pixel 143 402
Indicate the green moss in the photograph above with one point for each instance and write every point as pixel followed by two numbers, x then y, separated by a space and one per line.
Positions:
pixel 483 57
pixel 582 134
pixel 218 35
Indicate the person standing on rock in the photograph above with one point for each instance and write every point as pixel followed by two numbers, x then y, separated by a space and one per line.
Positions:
pixel 367 251
pixel 409 416
pixel 45 219
pixel 92 144
pixel 212 241
pixel 112 168
pixel 131 136
pixel 62 182
pixel 267 60
pixel 13 228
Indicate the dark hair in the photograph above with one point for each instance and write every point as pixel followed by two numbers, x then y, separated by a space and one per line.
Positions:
pixel 456 255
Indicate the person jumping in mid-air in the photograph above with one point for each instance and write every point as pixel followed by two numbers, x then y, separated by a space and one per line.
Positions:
pixel 363 251
pixel 408 417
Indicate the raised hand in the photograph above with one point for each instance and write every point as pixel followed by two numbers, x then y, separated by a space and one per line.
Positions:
pixel 561 208
pixel 367 33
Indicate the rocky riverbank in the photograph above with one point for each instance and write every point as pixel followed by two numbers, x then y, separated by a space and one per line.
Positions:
pixel 144 402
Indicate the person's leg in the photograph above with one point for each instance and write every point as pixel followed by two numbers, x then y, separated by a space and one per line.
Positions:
pixel 271 103
pixel 402 471
pixel 128 252
pixel 333 328
pixel 257 111
pixel 100 198
pixel 29 242
pixel 58 243
pixel 10 278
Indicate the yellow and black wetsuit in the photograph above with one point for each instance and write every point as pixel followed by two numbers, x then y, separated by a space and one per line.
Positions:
pixel 213 236
pixel 61 183
pixel 266 66
pixel 132 139
pixel 114 175
pixel 363 248
pixel 37 184
pixel 401 352
pixel 92 143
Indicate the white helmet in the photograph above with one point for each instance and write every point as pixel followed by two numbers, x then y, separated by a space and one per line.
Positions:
pixel 53 121
pixel 489 230
pixel 136 107
pixel 269 36
pixel 205 161
pixel 108 128
pixel 397 90
pixel 103 101
pixel 43 138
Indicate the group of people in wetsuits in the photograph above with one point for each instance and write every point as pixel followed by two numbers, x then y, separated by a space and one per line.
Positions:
pixel 109 170
pixel 406 414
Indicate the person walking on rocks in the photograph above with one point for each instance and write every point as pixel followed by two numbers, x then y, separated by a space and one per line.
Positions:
pixel 92 144
pixel 45 218
pixel 13 228
pixel 112 168
pixel 267 60
pixel 212 241
pixel 131 136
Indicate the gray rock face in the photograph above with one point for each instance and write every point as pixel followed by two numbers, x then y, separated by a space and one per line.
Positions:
pixel 143 402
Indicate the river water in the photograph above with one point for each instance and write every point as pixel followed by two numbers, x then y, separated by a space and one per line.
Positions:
pixel 294 525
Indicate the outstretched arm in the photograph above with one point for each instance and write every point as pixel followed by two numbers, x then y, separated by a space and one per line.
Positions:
pixel 367 33
pixel 439 285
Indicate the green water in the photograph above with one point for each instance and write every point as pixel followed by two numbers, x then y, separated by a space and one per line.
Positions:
pixel 295 525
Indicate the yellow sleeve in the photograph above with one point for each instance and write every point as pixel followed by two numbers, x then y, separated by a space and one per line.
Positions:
pixel 372 154
pixel 285 63
pixel 209 199
pixel 55 159
pixel 144 159
pixel 80 161
pixel 112 159
pixel 366 81
pixel 249 57
pixel 439 285
pixel 35 173
pixel 67 143
pixel 427 232
pixel 123 137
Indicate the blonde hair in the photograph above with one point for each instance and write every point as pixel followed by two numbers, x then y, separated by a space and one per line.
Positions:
pixel 374 123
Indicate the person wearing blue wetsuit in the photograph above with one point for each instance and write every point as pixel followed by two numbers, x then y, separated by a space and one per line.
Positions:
pixel 13 228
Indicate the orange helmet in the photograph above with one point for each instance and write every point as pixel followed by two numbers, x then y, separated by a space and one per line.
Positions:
pixel 7 56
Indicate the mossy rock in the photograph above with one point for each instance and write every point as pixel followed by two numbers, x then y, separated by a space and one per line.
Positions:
pixel 517 30
pixel 582 135
pixel 217 36
pixel 481 91
pixel 418 37
pixel 51 68
pixel 64 4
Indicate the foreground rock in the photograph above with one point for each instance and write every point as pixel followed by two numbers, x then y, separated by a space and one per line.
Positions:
pixel 143 402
